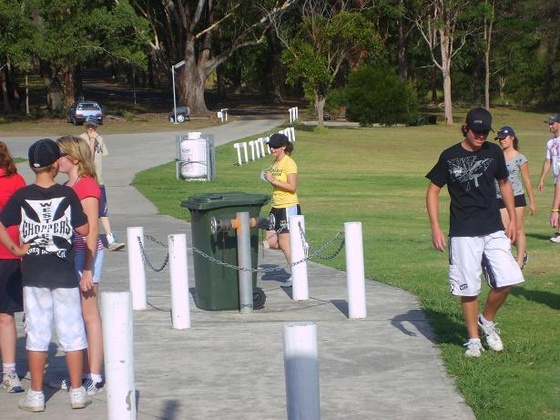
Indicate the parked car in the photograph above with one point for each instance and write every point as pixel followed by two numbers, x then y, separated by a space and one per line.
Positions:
pixel 80 110
pixel 182 114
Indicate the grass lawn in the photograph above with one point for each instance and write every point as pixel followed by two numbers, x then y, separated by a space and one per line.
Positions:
pixel 376 176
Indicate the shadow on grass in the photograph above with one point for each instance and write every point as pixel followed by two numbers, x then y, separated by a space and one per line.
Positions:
pixel 440 327
pixel 539 237
pixel 552 300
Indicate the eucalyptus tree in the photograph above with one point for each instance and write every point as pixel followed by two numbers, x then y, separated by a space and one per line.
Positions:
pixel 445 26
pixel 332 36
pixel 194 37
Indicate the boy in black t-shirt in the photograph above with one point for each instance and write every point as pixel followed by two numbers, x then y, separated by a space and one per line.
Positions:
pixel 47 215
pixel 477 241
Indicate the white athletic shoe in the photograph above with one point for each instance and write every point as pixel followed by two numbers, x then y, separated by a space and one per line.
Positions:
pixel 492 335
pixel 474 348
pixel 555 238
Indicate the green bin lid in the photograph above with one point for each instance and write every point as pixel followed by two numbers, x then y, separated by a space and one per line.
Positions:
pixel 219 200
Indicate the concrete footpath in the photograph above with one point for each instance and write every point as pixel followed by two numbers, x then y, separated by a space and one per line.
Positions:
pixel 230 366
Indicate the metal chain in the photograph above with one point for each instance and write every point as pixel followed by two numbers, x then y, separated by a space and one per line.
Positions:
pixel 145 256
pixel 306 246
pixel 319 252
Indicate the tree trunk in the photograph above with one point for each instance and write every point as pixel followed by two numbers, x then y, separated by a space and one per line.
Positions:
pixel 320 107
pixel 55 96
pixel 488 38
pixel 5 96
pixel 446 73
pixel 401 47
pixel 191 89
pixel 70 88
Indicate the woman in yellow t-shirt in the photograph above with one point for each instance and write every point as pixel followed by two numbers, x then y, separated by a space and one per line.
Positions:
pixel 283 177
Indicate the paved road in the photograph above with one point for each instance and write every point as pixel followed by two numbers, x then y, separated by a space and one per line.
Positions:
pixel 229 365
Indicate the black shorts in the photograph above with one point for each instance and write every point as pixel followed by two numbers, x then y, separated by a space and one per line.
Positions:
pixel 11 289
pixel 278 218
pixel 518 200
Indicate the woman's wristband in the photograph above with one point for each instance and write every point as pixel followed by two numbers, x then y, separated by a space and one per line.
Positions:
pixel 554 210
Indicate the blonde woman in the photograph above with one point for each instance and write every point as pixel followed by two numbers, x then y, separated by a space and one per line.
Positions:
pixel 76 162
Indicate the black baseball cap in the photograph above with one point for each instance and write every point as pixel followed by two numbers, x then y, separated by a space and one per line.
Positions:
pixel 278 140
pixel 479 119
pixel 43 153
pixel 504 132
pixel 553 119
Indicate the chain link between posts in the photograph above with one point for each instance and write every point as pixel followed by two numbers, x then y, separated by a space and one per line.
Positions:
pixel 310 253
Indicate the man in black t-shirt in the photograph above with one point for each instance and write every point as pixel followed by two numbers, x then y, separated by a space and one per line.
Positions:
pixel 477 240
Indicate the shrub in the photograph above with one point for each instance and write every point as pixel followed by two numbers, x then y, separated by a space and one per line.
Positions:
pixel 375 95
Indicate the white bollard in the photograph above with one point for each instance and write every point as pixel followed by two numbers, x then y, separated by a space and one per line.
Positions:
pixel 355 270
pixel 266 139
pixel 116 314
pixel 237 147
pixel 257 149
pixel 292 134
pixel 261 143
pixel 136 272
pixel 244 144
pixel 224 112
pixel 301 370
pixel 180 309
pixel 220 116
pixel 294 114
pixel 287 132
pixel 252 146
pixel 300 288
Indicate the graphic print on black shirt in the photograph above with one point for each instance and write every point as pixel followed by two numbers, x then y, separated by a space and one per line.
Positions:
pixel 46 218
pixel 45 224
pixel 470 178
pixel 466 169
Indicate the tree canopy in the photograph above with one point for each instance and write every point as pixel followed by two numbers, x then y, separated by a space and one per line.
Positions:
pixel 489 52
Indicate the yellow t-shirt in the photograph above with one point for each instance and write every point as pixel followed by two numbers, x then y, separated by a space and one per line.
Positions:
pixel 281 198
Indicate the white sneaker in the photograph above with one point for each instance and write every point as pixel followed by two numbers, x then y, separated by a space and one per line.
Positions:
pixel 115 246
pixel 555 238
pixel 93 388
pixel 474 348
pixel 10 382
pixel 34 403
pixel 79 398
pixel 492 335
pixel 287 284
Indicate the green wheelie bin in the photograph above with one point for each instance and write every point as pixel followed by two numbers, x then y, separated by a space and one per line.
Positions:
pixel 217 285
